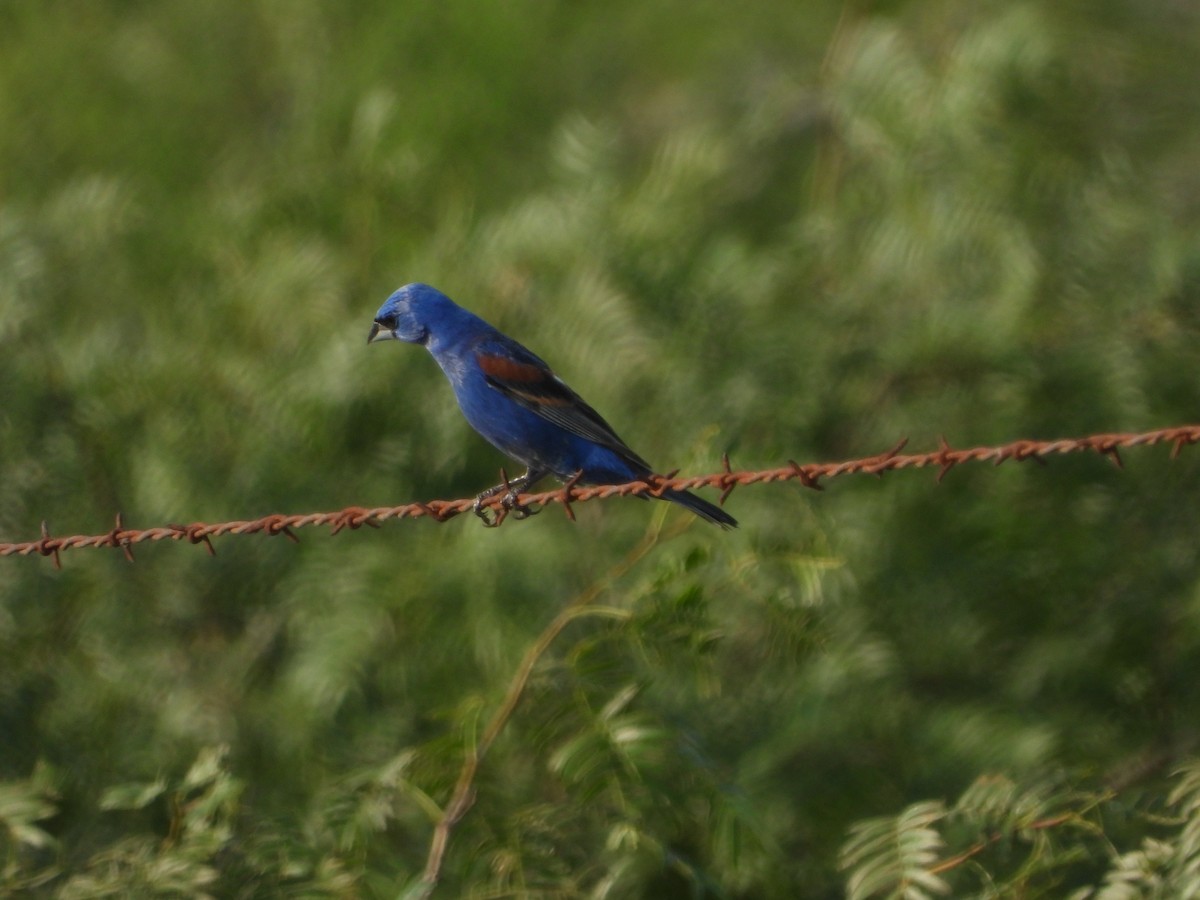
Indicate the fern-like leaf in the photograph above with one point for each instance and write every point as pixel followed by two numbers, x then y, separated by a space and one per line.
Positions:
pixel 894 856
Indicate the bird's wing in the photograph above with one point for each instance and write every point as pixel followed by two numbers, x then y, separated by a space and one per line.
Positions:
pixel 526 380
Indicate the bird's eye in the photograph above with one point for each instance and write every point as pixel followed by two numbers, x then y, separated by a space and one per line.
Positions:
pixel 389 322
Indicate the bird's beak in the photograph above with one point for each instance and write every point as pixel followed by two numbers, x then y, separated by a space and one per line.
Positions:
pixel 379 333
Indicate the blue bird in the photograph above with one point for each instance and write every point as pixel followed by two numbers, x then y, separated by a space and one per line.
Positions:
pixel 514 400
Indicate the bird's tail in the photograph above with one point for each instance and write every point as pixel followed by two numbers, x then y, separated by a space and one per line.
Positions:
pixel 705 510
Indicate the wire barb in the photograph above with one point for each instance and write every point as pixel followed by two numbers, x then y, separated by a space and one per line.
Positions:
pixel 729 482
pixel 114 537
pixel 500 505
pixel 49 547
pixel 805 477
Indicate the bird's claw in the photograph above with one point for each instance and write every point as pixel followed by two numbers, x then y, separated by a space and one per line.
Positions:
pixel 518 510
pixel 484 514
pixel 510 504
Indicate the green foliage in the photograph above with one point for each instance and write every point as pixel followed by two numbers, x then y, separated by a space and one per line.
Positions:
pixel 1006 840
pixel 781 233
pixel 892 856
pixel 1166 865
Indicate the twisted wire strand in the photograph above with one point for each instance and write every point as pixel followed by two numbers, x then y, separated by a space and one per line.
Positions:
pixel 726 480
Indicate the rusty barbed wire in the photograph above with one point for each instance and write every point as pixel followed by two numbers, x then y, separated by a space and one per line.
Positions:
pixel 809 475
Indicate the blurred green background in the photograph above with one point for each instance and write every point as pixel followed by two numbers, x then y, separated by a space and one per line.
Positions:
pixel 782 230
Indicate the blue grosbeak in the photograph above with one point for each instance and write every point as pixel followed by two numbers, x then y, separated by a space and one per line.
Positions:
pixel 516 402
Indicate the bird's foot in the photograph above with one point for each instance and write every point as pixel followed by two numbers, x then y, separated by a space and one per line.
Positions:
pixel 519 511
pixel 510 504
pixel 484 515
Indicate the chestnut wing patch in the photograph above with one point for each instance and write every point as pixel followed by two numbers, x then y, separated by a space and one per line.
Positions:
pixel 535 387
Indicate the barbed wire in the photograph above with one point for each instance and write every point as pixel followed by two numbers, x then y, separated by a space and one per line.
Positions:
pixel 809 475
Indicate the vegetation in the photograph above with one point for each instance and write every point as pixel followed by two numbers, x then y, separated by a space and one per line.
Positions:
pixel 787 231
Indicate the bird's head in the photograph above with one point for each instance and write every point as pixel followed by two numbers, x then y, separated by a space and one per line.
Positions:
pixel 406 315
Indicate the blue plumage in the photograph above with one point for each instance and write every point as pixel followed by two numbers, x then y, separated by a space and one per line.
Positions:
pixel 512 398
